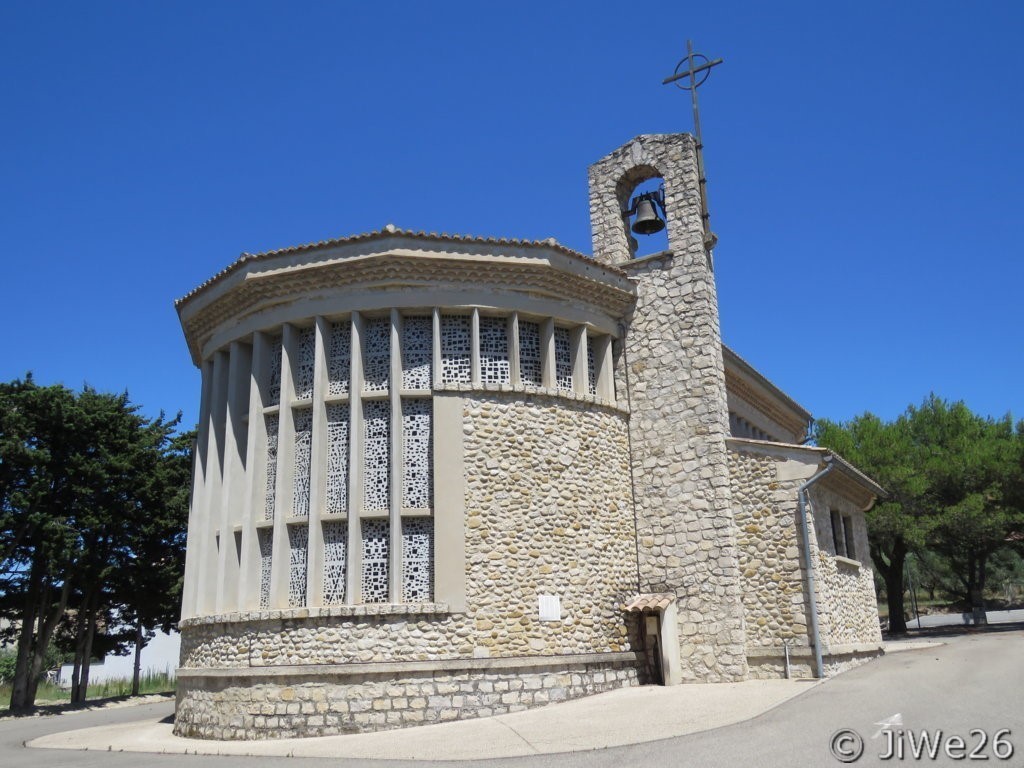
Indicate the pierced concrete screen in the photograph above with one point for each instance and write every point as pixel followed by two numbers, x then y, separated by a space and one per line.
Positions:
pixel 274 385
pixel 270 488
pixel 417 559
pixel 376 354
pixel 298 544
pixel 529 353
pixel 376 551
pixel 494 367
pixel 302 458
pixel 265 537
pixel 339 358
pixel 417 351
pixel 305 366
pixel 337 459
pixel 456 349
pixel 335 550
pixel 376 454
pixel 563 359
pixel 417 454
pixel 591 367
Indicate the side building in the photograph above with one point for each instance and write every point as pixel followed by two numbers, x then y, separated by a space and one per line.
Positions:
pixel 441 477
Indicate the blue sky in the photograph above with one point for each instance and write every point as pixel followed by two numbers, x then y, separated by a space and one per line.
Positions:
pixel 864 161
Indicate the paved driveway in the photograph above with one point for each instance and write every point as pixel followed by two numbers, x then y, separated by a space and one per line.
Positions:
pixel 972 682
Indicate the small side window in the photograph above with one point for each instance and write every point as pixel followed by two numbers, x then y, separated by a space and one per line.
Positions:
pixel 851 549
pixel 838 539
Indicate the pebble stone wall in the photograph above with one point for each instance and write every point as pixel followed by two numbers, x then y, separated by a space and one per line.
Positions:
pixel 774 599
pixel 677 398
pixel 547 504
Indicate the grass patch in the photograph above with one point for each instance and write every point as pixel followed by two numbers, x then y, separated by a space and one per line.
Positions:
pixel 158 682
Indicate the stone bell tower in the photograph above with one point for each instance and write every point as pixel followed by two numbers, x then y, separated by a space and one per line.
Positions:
pixel 671 368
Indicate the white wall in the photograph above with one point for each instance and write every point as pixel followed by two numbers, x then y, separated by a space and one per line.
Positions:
pixel 159 655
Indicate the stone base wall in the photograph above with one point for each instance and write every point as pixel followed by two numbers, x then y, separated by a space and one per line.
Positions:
pixel 767 665
pixel 230 704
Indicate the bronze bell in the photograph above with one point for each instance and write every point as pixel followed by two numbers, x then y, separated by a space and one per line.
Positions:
pixel 647 220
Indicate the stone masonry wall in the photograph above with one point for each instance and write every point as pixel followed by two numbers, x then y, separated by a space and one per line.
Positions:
pixel 676 384
pixel 235 708
pixel 774 596
pixel 547 512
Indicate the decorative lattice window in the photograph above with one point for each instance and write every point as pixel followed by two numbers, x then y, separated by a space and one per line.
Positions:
pixel 298 546
pixel 376 454
pixel 417 352
pixel 339 358
pixel 417 559
pixel 337 459
pixel 456 349
pixel 335 549
pixel 494 368
pixel 274 386
pixel 302 458
pixel 563 359
pixel 417 454
pixel 591 367
pixel 376 551
pixel 270 491
pixel 304 364
pixel 265 537
pixel 530 368
pixel 376 354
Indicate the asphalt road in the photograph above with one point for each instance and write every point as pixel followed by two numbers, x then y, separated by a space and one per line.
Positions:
pixel 972 682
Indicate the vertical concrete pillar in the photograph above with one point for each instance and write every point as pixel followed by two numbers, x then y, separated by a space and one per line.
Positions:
pixel 234 482
pixel 197 505
pixel 318 467
pixel 355 463
pixel 395 460
pixel 210 543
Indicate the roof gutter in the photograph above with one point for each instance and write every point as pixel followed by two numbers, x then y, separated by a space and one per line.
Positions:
pixel 802 503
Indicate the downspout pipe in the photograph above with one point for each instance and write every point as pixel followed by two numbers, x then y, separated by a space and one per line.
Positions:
pixel 802 504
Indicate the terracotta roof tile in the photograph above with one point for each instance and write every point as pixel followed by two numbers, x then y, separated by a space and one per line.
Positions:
pixel 649 601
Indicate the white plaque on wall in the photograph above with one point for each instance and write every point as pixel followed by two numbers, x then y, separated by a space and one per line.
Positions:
pixel 550 607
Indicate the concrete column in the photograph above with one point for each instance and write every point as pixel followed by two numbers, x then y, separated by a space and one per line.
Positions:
pixel 353 590
pixel 474 364
pixel 578 351
pixel 437 369
pixel 256 469
pixel 279 573
pixel 515 375
pixel 197 505
pixel 395 512
pixel 208 588
pixel 318 468
pixel 234 483
pixel 547 353
pixel 605 367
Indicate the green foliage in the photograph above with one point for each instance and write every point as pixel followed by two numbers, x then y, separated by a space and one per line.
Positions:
pixel 93 511
pixel 956 491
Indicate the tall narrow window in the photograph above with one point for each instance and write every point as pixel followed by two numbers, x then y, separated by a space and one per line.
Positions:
pixel 337 459
pixel 270 479
pixel 339 358
pixel 304 366
pixel 376 354
pixel 563 359
pixel 298 544
pixel 417 559
pixel 417 351
pixel 376 552
pixel 494 366
pixel 838 539
pixel 456 349
pixel 417 450
pixel 265 537
pixel 302 456
pixel 376 454
pixel 274 386
pixel 591 366
pixel 529 353
pixel 335 549
pixel 851 549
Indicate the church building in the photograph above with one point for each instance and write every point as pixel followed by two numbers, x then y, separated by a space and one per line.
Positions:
pixel 440 477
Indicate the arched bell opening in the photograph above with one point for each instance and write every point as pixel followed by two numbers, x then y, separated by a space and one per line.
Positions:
pixel 641 196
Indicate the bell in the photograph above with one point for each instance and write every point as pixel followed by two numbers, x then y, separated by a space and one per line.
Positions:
pixel 647 220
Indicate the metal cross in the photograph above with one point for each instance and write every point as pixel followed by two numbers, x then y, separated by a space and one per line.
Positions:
pixel 697 64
